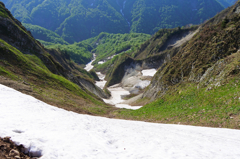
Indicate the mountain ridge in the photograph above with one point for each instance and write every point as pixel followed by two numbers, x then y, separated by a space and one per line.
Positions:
pixel 78 20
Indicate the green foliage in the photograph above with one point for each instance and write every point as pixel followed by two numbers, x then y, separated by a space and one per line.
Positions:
pixel 94 75
pixel 200 85
pixel 190 105
pixel 15 65
pixel 78 20
pixel 44 34
pixel 3 12
pixel 104 45
pixel 79 52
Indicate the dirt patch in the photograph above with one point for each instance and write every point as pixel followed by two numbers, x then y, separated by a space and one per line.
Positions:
pixel 9 150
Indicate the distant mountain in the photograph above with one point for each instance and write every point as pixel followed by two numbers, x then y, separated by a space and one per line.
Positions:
pixel 77 20
pixel 226 3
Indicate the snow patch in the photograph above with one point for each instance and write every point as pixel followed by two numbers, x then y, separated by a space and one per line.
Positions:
pixel 116 99
pixel 149 72
pixel 102 82
pixel 126 106
pixel 101 62
pixel 59 134
pixel 89 66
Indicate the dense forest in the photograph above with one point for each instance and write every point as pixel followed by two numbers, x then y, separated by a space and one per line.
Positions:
pixel 78 20
pixel 104 46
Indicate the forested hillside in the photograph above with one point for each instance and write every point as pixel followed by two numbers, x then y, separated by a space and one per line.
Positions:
pixel 77 20
pixel 104 46
pixel 47 74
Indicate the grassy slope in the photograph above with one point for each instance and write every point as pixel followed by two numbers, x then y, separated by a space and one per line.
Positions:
pixel 45 85
pixel 200 85
pixel 29 70
pixel 188 105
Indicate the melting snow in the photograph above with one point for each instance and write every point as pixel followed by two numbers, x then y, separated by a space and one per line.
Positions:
pixel 89 66
pixel 101 62
pixel 102 82
pixel 149 72
pixel 58 134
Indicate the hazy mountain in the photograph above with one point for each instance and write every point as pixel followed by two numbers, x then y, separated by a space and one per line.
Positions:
pixel 77 20
pixel 226 3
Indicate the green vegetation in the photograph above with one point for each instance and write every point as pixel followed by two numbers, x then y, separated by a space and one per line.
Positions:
pixel 3 12
pixel 200 85
pixel 46 74
pixel 44 34
pixel 48 86
pixel 104 45
pixel 78 20
pixel 78 52
pixel 219 107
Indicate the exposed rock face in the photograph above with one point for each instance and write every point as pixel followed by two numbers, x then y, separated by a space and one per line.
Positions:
pixel 91 87
pixel 115 75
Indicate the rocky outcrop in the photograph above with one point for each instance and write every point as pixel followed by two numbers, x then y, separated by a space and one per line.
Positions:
pixel 8 149
pixel 91 87
pixel 209 59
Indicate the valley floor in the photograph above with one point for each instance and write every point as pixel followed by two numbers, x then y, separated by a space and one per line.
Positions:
pixel 51 132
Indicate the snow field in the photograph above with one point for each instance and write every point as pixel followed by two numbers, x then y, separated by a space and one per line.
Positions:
pixel 58 134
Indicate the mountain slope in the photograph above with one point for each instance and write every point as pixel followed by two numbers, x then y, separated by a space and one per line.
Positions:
pixel 199 84
pixel 48 75
pixel 77 20
pixel 226 3
pixel 45 35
